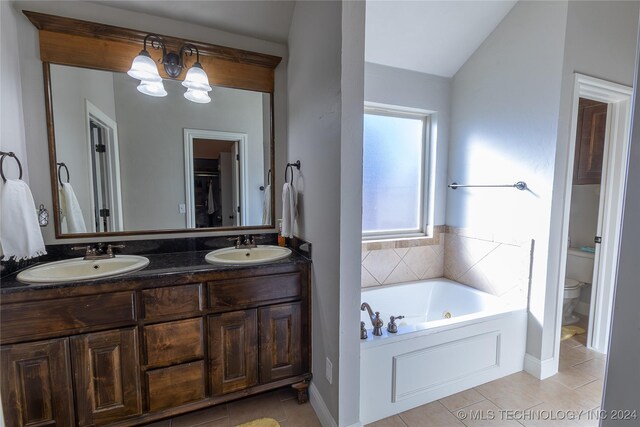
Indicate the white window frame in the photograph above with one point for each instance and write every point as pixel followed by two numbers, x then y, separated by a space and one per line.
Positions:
pixel 424 229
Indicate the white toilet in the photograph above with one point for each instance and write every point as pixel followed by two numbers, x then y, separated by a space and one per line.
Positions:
pixel 579 273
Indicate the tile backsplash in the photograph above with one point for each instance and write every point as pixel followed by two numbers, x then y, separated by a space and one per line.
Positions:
pixel 387 266
pixel 498 267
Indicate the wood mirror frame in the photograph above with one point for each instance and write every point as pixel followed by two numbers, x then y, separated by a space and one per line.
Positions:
pixel 72 42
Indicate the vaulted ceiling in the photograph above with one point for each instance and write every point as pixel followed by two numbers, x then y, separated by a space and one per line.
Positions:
pixel 434 37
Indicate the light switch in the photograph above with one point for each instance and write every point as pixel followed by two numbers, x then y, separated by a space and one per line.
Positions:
pixel 182 208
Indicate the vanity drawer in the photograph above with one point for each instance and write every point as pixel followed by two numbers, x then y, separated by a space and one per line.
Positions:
pixel 170 387
pixel 171 300
pixel 60 316
pixel 173 342
pixel 253 291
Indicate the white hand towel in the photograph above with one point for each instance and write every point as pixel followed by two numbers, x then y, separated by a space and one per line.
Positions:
pixel 71 210
pixel 211 204
pixel 288 209
pixel 20 233
pixel 266 205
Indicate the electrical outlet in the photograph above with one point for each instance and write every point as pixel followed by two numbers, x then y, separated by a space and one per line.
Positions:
pixel 329 371
pixel 182 208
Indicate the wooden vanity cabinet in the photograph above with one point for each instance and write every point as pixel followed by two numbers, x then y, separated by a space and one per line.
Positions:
pixel 106 373
pixel 36 384
pixel 233 351
pixel 131 353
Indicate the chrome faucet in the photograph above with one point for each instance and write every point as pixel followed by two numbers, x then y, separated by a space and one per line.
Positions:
pixel 99 252
pixel 376 321
pixel 244 242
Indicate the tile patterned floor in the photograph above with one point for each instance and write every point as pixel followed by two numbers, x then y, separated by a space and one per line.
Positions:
pixel 520 399
pixel 280 405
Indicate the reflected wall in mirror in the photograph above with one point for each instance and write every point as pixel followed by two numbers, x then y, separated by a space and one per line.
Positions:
pixel 138 163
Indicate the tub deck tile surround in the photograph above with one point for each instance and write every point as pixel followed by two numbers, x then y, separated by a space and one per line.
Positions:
pixel 486 261
pixel 520 391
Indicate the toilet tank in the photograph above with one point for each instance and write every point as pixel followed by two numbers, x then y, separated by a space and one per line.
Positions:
pixel 579 265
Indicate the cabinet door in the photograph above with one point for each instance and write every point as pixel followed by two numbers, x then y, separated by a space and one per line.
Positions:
pixel 36 384
pixel 107 376
pixel 233 350
pixel 590 135
pixel 280 342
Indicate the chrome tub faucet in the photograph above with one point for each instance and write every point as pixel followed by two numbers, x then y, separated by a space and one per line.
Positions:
pixel 376 321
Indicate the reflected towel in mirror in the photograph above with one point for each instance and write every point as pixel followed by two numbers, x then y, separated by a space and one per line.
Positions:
pixel 288 209
pixel 266 206
pixel 211 204
pixel 20 233
pixel 71 211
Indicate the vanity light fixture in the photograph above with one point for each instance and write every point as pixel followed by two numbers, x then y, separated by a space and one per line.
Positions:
pixel 145 69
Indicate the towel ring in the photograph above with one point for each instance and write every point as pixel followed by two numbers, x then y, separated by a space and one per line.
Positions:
pixel 290 166
pixel 60 166
pixel 9 154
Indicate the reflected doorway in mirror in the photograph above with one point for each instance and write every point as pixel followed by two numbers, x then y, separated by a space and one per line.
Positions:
pixel 215 178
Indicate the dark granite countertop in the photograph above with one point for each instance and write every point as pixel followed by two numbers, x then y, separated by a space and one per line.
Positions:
pixel 160 265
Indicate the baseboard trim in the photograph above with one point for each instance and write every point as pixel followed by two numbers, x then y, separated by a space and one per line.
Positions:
pixel 321 408
pixel 540 369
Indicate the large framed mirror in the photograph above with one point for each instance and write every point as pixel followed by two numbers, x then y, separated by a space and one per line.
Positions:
pixel 125 163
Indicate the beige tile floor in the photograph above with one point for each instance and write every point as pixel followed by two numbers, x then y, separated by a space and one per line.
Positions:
pixel 280 405
pixel 520 399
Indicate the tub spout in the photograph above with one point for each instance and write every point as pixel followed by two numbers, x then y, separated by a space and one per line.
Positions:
pixel 376 321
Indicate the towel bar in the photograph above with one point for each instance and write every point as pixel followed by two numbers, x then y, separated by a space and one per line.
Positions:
pixel 290 166
pixel 520 185
pixel 60 166
pixel 9 154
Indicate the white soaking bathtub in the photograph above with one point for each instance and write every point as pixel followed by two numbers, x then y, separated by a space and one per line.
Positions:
pixel 452 338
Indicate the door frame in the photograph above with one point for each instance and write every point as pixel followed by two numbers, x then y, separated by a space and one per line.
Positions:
pixel 92 112
pixel 618 98
pixel 242 140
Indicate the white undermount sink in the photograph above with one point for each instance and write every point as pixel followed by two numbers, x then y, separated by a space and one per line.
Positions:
pixel 246 256
pixel 75 269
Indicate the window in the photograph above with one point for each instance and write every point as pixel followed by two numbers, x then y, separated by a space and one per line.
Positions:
pixel 394 175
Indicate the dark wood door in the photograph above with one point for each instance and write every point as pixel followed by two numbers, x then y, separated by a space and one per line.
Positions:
pixel 280 341
pixel 233 351
pixel 106 372
pixel 36 384
pixel 590 136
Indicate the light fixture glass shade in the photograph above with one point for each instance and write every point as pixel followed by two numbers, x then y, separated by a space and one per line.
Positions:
pixel 196 79
pixel 152 88
pixel 199 96
pixel 144 68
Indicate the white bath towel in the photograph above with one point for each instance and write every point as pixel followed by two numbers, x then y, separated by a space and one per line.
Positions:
pixel 20 233
pixel 266 205
pixel 71 210
pixel 211 204
pixel 289 199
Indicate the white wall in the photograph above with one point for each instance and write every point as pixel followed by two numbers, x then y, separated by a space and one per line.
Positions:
pixel 314 132
pixel 623 376
pixel 394 86
pixel 504 114
pixel 152 148
pixel 326 95
pixel 33 87
pixel 600 42
pixel 11 122
pixel 353 76
pixel 71 86
pixel 510 121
